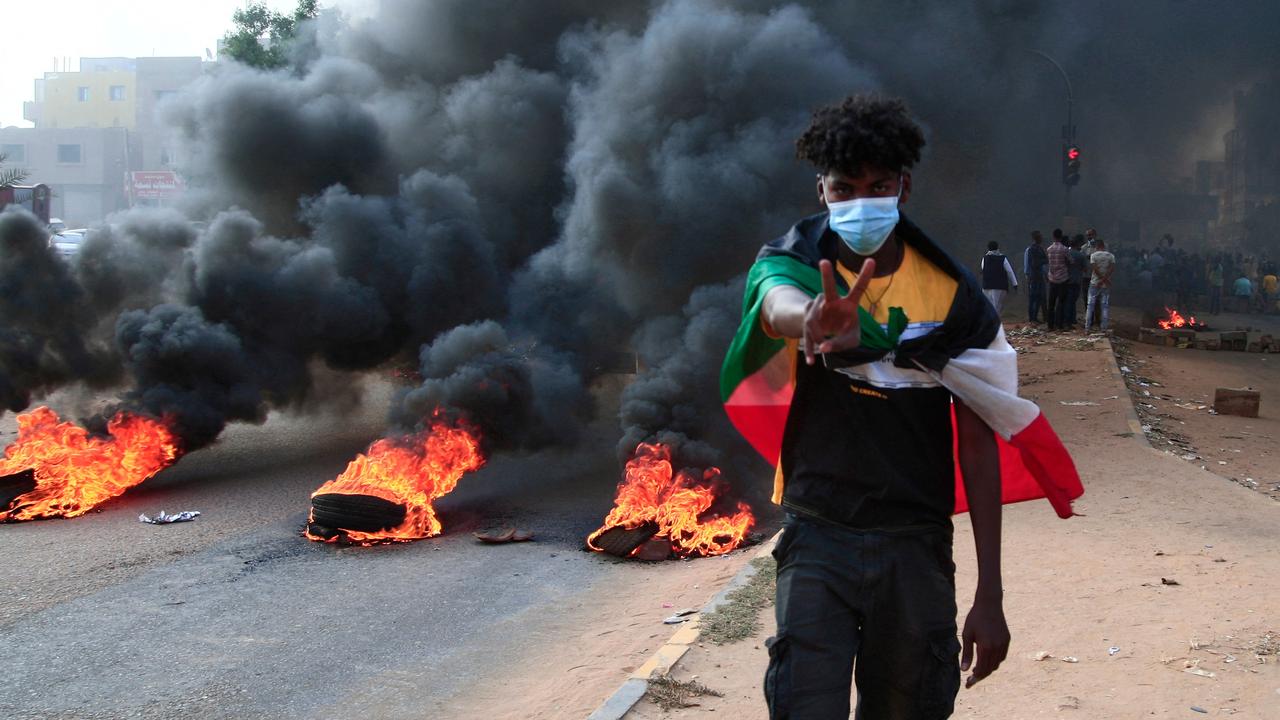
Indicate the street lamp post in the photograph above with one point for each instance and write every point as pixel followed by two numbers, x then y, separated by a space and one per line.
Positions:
pixel 1068 130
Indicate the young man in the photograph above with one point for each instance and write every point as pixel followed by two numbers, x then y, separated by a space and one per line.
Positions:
pixel 1102 264
pixel 1033 265
pixel 854 348
pixel 997 276
pixel 1058 276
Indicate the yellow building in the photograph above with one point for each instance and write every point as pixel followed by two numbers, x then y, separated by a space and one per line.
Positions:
pixel 89 100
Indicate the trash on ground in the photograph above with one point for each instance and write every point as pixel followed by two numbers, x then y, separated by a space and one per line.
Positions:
pixel 1199 672
pixel 164 518
pixel 1043 655
pixel 1113 650
pixel 1071 659
pixel 1078 403
pixel 506 535
pixel 1169 581
pixel 1199 709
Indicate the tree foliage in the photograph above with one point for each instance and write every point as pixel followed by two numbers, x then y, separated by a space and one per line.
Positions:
pixel 261 36
pixel 10 176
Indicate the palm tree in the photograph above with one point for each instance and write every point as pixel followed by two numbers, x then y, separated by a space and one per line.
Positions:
pixel 10 176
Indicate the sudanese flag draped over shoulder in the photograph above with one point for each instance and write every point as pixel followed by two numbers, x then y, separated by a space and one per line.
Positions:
pixel 968 354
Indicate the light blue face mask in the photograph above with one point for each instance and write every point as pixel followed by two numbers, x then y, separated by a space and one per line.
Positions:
pixel 865 223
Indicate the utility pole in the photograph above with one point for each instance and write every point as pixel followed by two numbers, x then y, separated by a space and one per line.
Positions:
pixel 1068 130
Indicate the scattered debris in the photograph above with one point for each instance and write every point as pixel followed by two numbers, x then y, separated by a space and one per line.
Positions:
pixel 1199 709
pixel 1070 659
pixel 680 616
pixel 1043 655
pixel 1079 403
pixel 506 535
pixel 1169 581
pixel 1070 702
pixel 671 694
pixel 164 518
pixel 1199 672
pixel 1113 650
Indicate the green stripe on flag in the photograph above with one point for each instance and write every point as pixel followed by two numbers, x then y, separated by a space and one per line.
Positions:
pixel 751 348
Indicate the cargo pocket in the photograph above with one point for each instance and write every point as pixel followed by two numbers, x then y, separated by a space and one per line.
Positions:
pixel 941 677
pixel 777 679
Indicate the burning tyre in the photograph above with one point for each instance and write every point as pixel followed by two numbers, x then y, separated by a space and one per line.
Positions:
pixel 387 493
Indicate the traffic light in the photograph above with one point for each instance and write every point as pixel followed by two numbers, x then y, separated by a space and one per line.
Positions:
pixel 1071 165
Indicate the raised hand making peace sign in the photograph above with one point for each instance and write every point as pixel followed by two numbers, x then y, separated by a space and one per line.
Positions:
pixel 831 321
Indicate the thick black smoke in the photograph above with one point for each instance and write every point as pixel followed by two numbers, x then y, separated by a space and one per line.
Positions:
pixel 513 192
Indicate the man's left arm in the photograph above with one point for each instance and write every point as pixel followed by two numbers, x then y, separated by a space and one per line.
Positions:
pixel 985 626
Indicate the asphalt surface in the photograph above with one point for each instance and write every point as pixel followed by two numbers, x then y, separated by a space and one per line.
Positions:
pixel 236 615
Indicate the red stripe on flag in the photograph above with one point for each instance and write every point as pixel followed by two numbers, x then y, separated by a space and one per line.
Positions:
pixel 1033 464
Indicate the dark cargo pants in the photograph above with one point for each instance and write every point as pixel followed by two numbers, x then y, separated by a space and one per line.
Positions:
pixel 876 607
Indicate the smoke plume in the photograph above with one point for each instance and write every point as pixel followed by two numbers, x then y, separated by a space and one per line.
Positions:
pixel 508 194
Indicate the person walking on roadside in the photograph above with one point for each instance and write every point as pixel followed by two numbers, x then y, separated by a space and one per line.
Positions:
pixel 1102 265
pixel 854 306
pixel 1034 261
pixel 1057 274
pixel 997 276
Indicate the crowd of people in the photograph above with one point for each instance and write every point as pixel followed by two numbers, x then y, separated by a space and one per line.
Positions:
pixel 1206 283
pixel 1069 281
pixel 1069 274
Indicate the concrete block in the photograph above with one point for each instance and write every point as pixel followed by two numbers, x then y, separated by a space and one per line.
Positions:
pixel 1152 336
pixel 1237 401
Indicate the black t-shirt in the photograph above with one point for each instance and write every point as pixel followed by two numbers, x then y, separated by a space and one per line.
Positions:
pixel 871 446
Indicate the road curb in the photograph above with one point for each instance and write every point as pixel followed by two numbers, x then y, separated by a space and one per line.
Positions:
pixel 660 663
pixel 1135 424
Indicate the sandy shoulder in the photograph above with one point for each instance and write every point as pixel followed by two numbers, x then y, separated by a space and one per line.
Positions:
pixel 1078 588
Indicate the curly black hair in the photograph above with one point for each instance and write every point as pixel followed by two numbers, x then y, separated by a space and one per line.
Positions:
pixel 861 130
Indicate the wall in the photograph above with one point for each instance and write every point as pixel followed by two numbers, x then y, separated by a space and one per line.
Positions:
pixel 62 107
pixel 84 193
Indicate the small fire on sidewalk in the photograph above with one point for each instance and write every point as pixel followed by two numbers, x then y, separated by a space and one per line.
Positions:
pixel 1173 320
pixel 659 507
pixel 59 469
pixel 386 494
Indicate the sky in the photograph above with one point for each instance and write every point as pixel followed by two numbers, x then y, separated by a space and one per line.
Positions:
pixel 34 33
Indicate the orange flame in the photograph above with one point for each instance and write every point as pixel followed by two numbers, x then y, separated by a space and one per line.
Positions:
pixel 652 492
pixel 1176 320
pixel 414 471
pixel 76 471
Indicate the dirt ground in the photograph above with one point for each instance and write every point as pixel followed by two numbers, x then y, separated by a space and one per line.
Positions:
pixel 1100 629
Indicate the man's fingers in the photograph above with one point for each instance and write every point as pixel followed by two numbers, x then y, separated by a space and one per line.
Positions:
pixel 966 655
pixel 864 278
pixel 828 280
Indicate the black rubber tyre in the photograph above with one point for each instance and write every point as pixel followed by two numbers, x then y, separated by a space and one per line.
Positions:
pixel 622 542
pixel 19 483
pixel 362 513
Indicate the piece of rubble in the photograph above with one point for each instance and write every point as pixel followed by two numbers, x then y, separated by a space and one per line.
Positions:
pixel 164 518
pixel 506 535
pixel 1243 402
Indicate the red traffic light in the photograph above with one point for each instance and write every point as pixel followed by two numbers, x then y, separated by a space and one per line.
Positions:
pixel 1073 153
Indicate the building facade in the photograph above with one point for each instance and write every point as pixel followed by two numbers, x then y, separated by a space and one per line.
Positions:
pixel 97 133
pixel 84 167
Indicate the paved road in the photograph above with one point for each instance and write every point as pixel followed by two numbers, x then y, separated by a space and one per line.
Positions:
pixel 237 616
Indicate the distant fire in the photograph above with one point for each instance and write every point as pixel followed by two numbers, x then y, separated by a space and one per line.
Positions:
pixel 75 470
pixel 1175 320
pixel 651 492
pixel 412 472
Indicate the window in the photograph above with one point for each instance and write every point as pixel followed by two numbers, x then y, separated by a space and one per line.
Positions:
pixel 117 93
pixel 69 154
pixel 82 93
pixel 14 153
